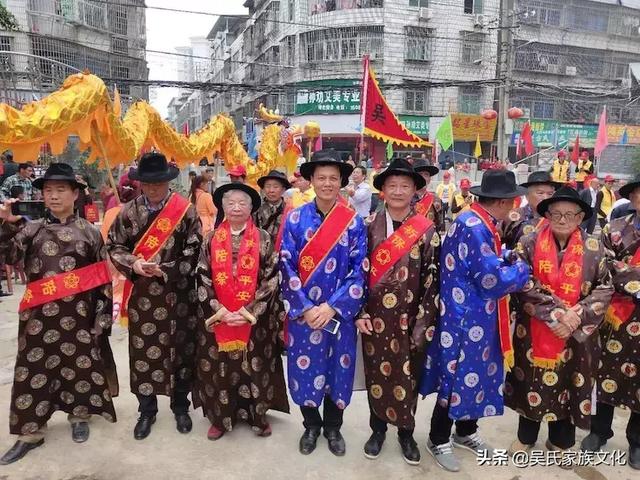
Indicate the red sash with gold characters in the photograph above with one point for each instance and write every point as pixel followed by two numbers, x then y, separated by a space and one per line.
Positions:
pixel 234 289
pixel 323 241
pixel 396 246
pixel 504 322
pixel 425 203
pixel 65 284
pixel 622 306
pixel 154 239
pixel 563 281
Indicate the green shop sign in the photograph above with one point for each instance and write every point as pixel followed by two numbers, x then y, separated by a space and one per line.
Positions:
pixel 547 133
pixel 416 123
pixel 328 96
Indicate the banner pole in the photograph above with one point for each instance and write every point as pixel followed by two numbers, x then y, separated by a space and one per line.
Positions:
pixel 363 103
pixel 96 135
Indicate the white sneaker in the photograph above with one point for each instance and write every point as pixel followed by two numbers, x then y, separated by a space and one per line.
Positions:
pixel 474 443
pixel 444 456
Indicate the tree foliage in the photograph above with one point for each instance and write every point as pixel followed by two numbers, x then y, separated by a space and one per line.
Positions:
pixel 7 19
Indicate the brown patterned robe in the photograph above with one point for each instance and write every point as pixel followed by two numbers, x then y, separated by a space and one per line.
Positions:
pixel 565 392
pixel 64 360
pixel 232 386
pixel 522 221
pixel 161 310
pixel 403 308
pixel 619 370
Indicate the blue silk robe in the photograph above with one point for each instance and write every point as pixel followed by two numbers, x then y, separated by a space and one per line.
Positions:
pixel 464 363
pixel 320 362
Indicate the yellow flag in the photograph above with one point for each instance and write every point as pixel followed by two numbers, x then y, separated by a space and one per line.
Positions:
pixel 477 152
pixel 117 105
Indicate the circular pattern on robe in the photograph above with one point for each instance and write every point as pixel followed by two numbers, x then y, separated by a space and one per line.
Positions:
pixel 319 382
pixel 455 399
pixel 391 414
pixel 550 378
pixel 153 352
pixel 331 265
pixel 404 321
pixel 394 345
pixel 68 373
pixel 378 325
pixel 633 329
pixel 471 379
pixel 223 396
pixel 96 400
pixel 430 333
pixel 345 360
pixel 83 336
pixel 83 361
pixel 534 399
pixel 303 362
pixel 38 381
pixel 480 396
pixel 463 250
pixel 399 393
pixel 629 369
pixel 614 346
pixel 563 398
pixel 409 296
pixel 316 337
pixel 50 248
pixel 486 250
pixel 145 389
pixel 144 304
pixel 35 354
pixel 82 386
pixel 50 309
pixel 157 376
pixel 97 378
pixel 585 407
pixel 308 234
pixel 490 306
pixel 489 281
pixel 458 295
pixel 52 362
pixel 385 368
pixel 450 262
pixel 34 326
pixel 42 408
pixel 67 264
pixel 492 369
pixel 356 292
pixel 68 348
pixel 165 339
pixel 369 349
pixel 82 308
pixel 136 341
pixel 51 336
pixel 389 300
pixel 156 289
pixel 406 368
pixel 592 244
pixel 21 374
pixel 55 385
pixel 414 253
pixel 257 364
pixel 528 229
pixel 148 328
pixel 295 284
pixel 446 340
pixel 67 397
pixel 34 265
pixel 315 292
pixel 609 385
pixel 452 365
pixel 476 333
pixel 521 331
pixel 160 313
pixel 578 379
pixel 472 221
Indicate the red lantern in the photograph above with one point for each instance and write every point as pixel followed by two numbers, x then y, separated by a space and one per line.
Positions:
pixel 489 114
pixel 515 112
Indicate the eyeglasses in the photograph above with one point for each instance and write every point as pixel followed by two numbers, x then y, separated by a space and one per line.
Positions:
pixel 569 216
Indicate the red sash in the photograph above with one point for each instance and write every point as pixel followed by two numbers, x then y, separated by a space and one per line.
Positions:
pixel 154 239
pixel 504 325
pixel 65 284
pixel 323 241
pixel 424 204
pixel 285 214
pixel 396 246
pixel 622 306
pixel 234 290
pixel 564 281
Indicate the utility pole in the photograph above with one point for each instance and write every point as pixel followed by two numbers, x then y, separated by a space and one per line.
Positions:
pixel 505 38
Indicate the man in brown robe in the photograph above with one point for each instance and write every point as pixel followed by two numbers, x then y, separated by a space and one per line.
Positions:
pixel 524 220
pixel 559 311
pixel 618 381
pixel 64 361
pixel 154 242
pixel 398 318
pixel 434 213
pixel 239 372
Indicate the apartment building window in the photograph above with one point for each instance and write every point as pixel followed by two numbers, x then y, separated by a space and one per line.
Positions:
pixel 288 48
pixel 543 109
pixel 543 13
pixel 322 6
pixel 292 10
pixel 415 101
pixel 119 21
pixel 469 100
pixel 119 45
pixel 586 63
pixel 591 19
pixel 473 6
pixel 419 44
pixel 624 24
pixel 538 58
pixel 338 44
pixel 619 70
pixel 419 3
pixel 6 61
pixel 472 47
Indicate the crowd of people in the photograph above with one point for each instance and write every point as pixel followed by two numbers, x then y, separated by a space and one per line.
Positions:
pixel 516 305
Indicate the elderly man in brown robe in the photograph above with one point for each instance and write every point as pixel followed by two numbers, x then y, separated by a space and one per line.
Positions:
pixel 618 382
pixel 556 334
pixel 398 318
pixel 64 361
pixel 154 242
pixel 239 369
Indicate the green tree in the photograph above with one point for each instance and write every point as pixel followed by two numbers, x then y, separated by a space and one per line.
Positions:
pixel 7 20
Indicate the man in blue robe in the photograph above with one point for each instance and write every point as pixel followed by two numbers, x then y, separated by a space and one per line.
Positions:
pixel 323 279
pixel 464 363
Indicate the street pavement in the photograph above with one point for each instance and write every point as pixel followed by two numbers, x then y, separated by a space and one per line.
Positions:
pixel 112 453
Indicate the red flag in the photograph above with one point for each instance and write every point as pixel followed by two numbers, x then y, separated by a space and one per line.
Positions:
pixel 575 154
pixel 526 137
pixel 601 140
pixel 378 120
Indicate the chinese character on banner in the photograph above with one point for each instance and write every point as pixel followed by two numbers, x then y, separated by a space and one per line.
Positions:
pixel 328 97
pixel 378 113
pixel 312 97
pixel 337 96
pixel 320 97
pixel 355 97
pixel 303 98
pixel 346 96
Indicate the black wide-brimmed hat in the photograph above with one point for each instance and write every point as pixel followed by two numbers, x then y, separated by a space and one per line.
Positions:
pixel 399 167
pixel 540 177
pixel 627 188
pixel 421 165
pixel 58 171
pixel 565 194
pixel 220 191
pixel 498 184
pixel 154 168
pixel 324 157
pixel 275 175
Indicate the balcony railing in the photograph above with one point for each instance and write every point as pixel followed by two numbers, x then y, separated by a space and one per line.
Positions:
pixel 322 6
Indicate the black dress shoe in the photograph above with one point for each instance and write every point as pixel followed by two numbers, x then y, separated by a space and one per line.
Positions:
pixel 410 450
pixel 80 432
pixel 336 442
pixel 143 427
pixel 592 443
pixel 634 457
pixel 5 294
pixel 308 440
pixel 374 445
pixel 19 450
pixel 183 423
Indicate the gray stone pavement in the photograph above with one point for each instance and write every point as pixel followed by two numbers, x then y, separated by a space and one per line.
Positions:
pixel 112 453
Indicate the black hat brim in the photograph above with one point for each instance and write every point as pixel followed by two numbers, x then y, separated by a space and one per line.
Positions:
pixel 40 181
pixel 307 168
pixel 430 169
pixel 159 177
pixel 220 191
pixel 378 181
pixel 478 192
pixel 544 205
pixel 262 180
pixel 555 185
pixel 627 188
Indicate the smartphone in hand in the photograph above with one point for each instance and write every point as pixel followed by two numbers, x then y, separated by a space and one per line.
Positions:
pixel 332 327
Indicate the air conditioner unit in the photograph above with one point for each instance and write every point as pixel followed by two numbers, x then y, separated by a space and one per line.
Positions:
pixel 478 21
pixel 571 71
pixel 425 13
pixel 554 69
